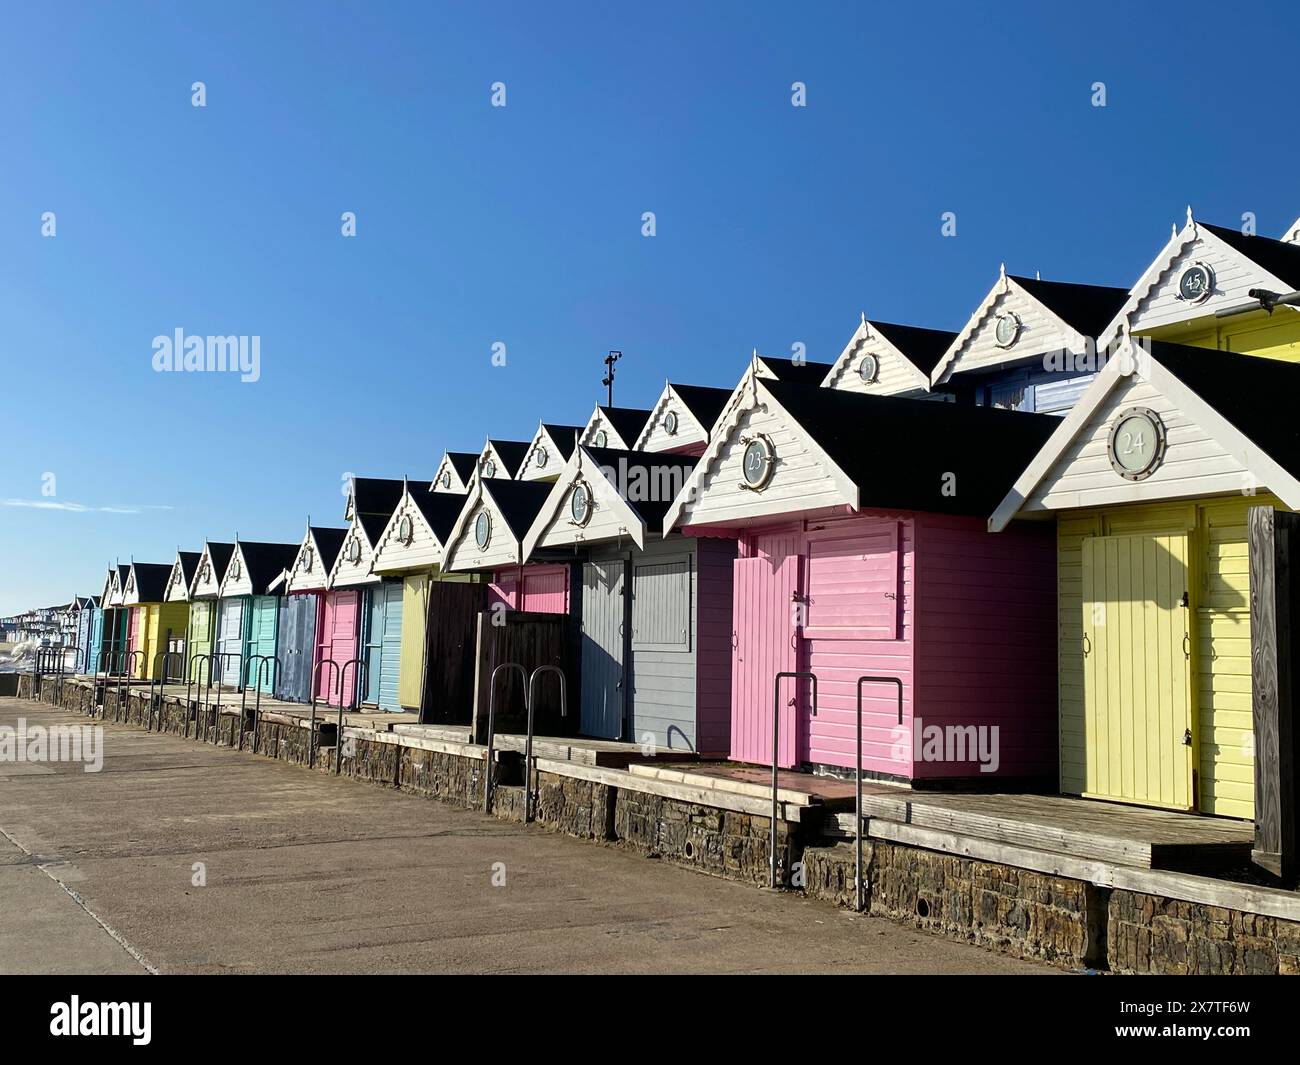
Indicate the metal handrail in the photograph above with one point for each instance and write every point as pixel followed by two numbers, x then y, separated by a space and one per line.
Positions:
pixel 190 679
pixel 214 712
pixel 492 720
pixel 243 690
pixel 528 742
pixel 63 669
pixel 266 661
pixel 358 674
pixel 160 676
pixel 776 735
pixel 315 684
pixel 128 667
pixel 857 785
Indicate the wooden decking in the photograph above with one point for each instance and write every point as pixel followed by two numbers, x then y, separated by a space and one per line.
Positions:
pixel 1084 828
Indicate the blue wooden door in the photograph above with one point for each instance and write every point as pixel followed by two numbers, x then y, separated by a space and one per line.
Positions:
pixel 230 640
pixel 603 655
pixel 297 641
pixel 96 639
pixel 383 650
pixel 260 633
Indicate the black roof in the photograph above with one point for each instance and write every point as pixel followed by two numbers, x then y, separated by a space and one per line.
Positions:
pixel 376 495
pixel 464 463
pixel 627 421
pixel 329 542
pixel 1247 390
pixel 564 436
pixel 1279 258
pixel 440 510
pixel 923 347
pixel 704 403
pixel 1087 308
pixel 512 453
pixel 266 562
pixel 151 581
pixel 122 571
pixel 519 502
pixel 220 555
pixel 805 371
pixel 905 453
pixel 189 561
pixel 373 524
pixel 618 465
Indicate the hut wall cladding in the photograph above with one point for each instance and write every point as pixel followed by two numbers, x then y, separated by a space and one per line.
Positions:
pixel 164 623
pixel 535 588
pixel 675 662
pixel 532 640
pixel 84 620
pixel 451 634
pixel 986 645
pixel 134 616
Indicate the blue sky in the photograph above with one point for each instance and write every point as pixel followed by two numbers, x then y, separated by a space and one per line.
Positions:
pixel 776 225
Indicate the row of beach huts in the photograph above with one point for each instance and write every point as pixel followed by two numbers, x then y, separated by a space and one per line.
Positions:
pixel 1039 526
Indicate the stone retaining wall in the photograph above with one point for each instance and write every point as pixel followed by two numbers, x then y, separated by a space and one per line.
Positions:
pixel 1064 921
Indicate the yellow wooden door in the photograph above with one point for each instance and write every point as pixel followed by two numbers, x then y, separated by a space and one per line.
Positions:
pixel 415 608
pixel 1137 670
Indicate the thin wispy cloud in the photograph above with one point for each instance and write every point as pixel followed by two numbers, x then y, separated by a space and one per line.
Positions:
pixel 83 508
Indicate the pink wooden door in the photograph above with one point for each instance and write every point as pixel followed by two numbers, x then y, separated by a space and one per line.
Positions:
pixel 545 589
pixel 133 641
pixel 764 639
pixel 337 639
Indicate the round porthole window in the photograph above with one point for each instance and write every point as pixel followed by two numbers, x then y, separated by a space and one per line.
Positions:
pixel 235 569
pixel 489 468
pixel 307 560
pixel 759 459
pixel 405 530
pixel 482 529
pixel 670 423
pixel 869 368
pixel 1007 330
pixel 601 438
pixel 542 458
pixel 445 479
pixel 1137 443
pixel 1196 283
pixel 130 583
pixel 354 550
pixel 580 503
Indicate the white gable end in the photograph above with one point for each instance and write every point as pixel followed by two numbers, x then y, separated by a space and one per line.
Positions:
pixel 352 567
pixel 236 581
pixel 407 541
pixel 1158 302
pixel 1195 464
pixel 464 553
pixel 894 374
pixel 656 436
pixel 803 477
pixel 1041 332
